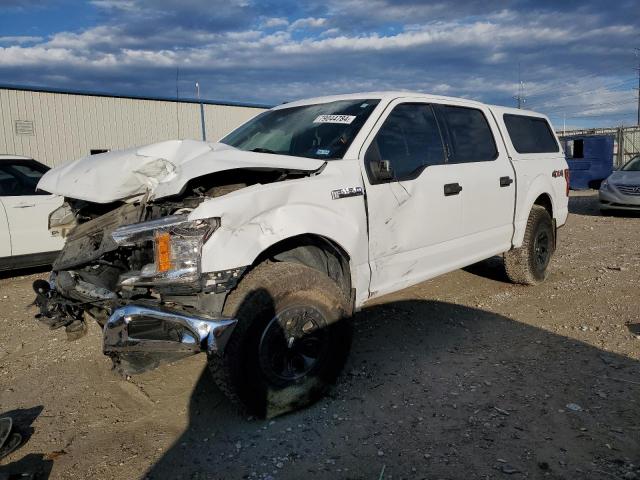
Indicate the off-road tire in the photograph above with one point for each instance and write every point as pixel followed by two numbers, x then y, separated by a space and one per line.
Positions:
pixel 521 264
pixel 269 291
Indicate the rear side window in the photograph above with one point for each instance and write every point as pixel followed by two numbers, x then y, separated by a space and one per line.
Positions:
pixel 530 134
pixel 469 135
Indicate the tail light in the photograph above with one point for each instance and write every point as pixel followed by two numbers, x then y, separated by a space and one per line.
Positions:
pixel 566 177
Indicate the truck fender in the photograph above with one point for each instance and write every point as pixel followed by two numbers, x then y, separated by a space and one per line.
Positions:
pixel 539 185
pixel 252 238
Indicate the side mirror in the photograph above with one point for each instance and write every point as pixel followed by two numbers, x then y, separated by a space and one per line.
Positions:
pixel 385 170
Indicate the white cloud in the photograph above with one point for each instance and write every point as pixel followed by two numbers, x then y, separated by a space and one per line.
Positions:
pixel 309 22
pixel 329 50
pixel 124 5
pixel 19 40
pixel 330 32
pixel 275 22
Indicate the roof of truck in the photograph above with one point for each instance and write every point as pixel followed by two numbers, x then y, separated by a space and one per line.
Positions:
pixel 393 94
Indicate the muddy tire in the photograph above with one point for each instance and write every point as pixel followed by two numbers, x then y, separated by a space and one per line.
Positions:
pixel 291 341
pixel 528 265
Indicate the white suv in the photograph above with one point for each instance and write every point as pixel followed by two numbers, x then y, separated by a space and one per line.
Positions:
pixel 24 238
pixel 258 249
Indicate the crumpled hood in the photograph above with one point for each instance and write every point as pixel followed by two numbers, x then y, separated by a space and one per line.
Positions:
pixel 620 177
pixel 161 169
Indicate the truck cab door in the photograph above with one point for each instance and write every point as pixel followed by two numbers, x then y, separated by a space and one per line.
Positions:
pixel 413 201
pixel 486 175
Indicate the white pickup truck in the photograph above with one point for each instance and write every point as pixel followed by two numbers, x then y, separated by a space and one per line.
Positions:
pixel 257 249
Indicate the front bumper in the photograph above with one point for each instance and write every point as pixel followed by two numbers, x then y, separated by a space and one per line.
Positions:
pixel 133 330
pixel 156 329
pixel 611 198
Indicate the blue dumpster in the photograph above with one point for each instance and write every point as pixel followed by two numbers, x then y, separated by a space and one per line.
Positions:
pixel 590 159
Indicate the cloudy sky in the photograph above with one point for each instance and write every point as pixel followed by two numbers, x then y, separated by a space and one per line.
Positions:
pixel 576 59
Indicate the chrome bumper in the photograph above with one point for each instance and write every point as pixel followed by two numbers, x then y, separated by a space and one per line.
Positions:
pixel 141 328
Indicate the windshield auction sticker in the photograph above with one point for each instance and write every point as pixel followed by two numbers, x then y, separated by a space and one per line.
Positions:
pixel 346 119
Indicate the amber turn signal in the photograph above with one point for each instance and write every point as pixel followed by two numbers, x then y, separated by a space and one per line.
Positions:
pixel 163 251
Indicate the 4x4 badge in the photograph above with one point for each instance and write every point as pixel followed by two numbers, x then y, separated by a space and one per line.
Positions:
pixel 347 192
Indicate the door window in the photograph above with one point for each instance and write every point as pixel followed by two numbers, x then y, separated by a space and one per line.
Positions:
pixel 9 184
pixel 469 135
pixel 20 178
pixel 409 140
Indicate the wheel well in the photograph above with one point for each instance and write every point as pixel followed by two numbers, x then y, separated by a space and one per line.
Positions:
pixel 313 251
pixel 544 200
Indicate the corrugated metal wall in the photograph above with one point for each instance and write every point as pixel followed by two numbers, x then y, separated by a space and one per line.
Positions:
pixel 54 128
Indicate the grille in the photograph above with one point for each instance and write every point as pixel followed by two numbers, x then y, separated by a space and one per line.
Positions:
pixel 629 189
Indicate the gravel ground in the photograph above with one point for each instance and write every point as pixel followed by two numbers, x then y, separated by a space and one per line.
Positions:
pixel 464 376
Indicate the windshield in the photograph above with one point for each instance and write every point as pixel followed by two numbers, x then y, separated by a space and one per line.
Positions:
pixel 322 131
pixel 632 165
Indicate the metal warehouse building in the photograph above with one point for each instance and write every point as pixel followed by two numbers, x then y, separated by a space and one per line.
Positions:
pixel 55 126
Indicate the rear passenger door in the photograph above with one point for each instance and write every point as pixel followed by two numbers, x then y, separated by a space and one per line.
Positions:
pixel 486 176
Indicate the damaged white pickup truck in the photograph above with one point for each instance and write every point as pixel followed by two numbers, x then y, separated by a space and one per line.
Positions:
pixel 258 249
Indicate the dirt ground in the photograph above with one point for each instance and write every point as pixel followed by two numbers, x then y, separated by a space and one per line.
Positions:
pixel 462 377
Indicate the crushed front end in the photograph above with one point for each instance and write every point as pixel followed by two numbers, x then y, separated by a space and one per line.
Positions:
pixel 135 269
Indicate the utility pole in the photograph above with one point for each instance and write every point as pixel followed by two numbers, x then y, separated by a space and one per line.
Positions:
pixel 638 69
pixel 178 101
pixel 520 97
pixel 204 130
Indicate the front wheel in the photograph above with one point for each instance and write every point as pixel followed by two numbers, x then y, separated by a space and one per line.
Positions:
pixel 528 264
pixel 291 341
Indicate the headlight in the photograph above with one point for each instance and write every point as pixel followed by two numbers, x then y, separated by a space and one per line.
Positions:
pixel 177 243
pixel 62 220
pixel 605 184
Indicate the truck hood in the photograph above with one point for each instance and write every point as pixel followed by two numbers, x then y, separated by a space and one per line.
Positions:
pixel 160 169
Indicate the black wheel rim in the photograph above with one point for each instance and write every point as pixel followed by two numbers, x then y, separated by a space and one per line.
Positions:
pixel 293 344
pixel 542 249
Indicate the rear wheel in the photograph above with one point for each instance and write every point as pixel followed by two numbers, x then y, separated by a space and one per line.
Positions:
pixel 528 265
pixel 291 340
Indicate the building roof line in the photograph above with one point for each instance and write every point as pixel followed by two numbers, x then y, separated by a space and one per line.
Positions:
pixel 32 88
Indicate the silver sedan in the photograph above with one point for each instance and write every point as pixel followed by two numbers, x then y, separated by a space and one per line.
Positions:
pixel 621 190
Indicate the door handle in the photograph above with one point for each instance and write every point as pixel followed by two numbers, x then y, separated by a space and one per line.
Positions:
pixel 24 205
pixel 452 189
pixel 505 181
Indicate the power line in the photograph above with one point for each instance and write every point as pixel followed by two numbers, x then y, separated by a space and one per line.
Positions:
pixel 611 115
pixel 587 106
pixel 612 85
pixel 617 83
pixel 538 92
